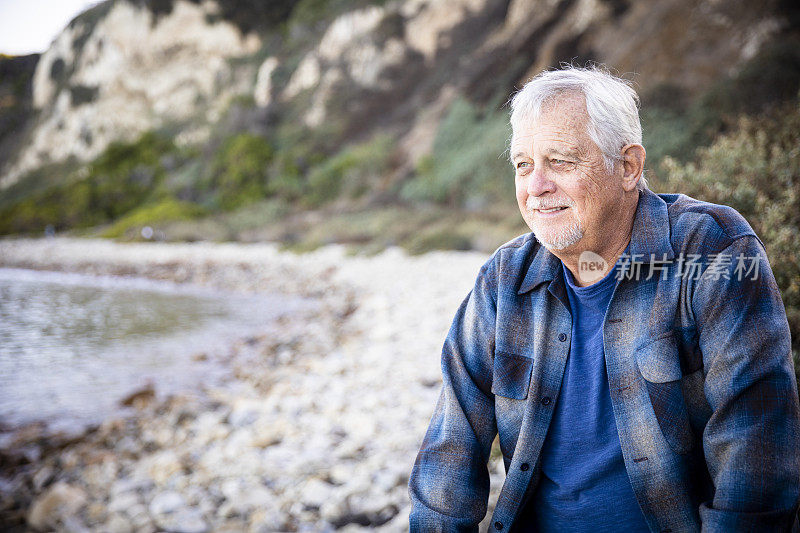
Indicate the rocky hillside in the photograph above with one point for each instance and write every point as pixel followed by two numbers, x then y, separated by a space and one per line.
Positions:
pixel 126 67
pixel 154 112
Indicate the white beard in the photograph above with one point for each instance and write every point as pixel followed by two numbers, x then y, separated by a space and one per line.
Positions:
pixel 561 239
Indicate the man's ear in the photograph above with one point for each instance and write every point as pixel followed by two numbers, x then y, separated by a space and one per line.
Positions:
pixel 633 156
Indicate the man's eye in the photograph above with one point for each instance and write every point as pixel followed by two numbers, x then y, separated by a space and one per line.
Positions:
pixel 561 163
pixel 522 164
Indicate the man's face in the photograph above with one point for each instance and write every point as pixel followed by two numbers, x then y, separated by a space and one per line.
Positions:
pixel 564 191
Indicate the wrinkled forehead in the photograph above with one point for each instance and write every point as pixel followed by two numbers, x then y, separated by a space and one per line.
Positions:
pixel 531 108
pixel 562 122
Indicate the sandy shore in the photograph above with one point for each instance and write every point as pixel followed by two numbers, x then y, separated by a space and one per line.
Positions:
pixel 319 430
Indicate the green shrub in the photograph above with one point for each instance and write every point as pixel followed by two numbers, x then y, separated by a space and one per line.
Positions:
pixel 122 178
pixel 154 215
pixel 666 132
pixel 286 175
pixel 756 170
pixel 124 175
pixel 63 207
pixel 308 12
pixel 38 180
pixel 350 173
pixel 468 162
pixel 239 170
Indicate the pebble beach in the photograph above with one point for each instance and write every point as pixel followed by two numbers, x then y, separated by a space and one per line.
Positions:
pixel 317 429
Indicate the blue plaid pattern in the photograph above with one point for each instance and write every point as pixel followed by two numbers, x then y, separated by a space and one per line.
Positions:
pixel 700 374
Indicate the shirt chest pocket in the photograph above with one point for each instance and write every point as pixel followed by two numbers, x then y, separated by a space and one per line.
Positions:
pixel 659 365
pixel 511 375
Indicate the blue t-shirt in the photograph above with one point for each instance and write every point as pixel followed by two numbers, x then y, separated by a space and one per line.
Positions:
pixel 584 485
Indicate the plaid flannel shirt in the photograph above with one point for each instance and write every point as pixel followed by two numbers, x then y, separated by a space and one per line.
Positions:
pixel 699 368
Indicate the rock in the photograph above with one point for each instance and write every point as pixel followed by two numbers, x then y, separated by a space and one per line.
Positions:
pixel 232 525
pixel 118 524
pixel 386 480
pixel 170 513
pixel 316 492
pixel 231 489
pixel 129 484
pixel 121 54
pixel 166 502
pixel 140 398
pixel 59 503
pixel 259 498
pixel 139 517
pixel 186 520
pixel 128 445
pixel 29 453
pixel 123 502
pixel 368 508
pixel 242 416
pixel 209 427
pixel 243 501
pixel 96 513
pixel 268 520
pixel 164 465
pixel 262 93
pixel 73 524
pixel 341 472
pixel 334 510
pixel 42 478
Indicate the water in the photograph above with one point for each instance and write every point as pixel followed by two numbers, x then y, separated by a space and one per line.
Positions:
pixel 71 346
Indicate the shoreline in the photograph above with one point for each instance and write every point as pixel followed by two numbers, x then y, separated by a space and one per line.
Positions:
pixel 319 430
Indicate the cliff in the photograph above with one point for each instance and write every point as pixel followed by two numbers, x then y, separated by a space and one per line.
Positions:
pixel 364 103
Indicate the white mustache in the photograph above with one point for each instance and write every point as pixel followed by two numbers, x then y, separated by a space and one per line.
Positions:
pixel 534 203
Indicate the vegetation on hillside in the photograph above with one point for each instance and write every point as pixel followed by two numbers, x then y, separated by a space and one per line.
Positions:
pixel 756 170
pixel 468 166
pixel 124 177
pixel 738 144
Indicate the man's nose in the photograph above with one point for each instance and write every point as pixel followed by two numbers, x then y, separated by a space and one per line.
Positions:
pixel 539 183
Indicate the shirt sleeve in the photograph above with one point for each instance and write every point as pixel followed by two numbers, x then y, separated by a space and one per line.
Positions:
pixel 449 484
pixel 751 439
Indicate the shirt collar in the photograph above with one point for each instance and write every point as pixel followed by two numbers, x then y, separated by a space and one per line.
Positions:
pixel 649 242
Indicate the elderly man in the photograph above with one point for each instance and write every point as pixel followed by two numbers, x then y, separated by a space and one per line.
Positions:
pixel 632 352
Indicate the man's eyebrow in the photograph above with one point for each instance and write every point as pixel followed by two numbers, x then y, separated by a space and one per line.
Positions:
pixel 550 151
pixel 565 153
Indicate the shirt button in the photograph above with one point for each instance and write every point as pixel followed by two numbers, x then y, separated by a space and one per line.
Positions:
pixel 562 337
pixel 546 400
pixel 524 467
pixel 498 526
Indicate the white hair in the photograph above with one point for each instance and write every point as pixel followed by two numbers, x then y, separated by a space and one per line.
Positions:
pixel 611 103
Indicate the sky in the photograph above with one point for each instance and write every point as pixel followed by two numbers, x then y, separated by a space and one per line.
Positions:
pixel 29 26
